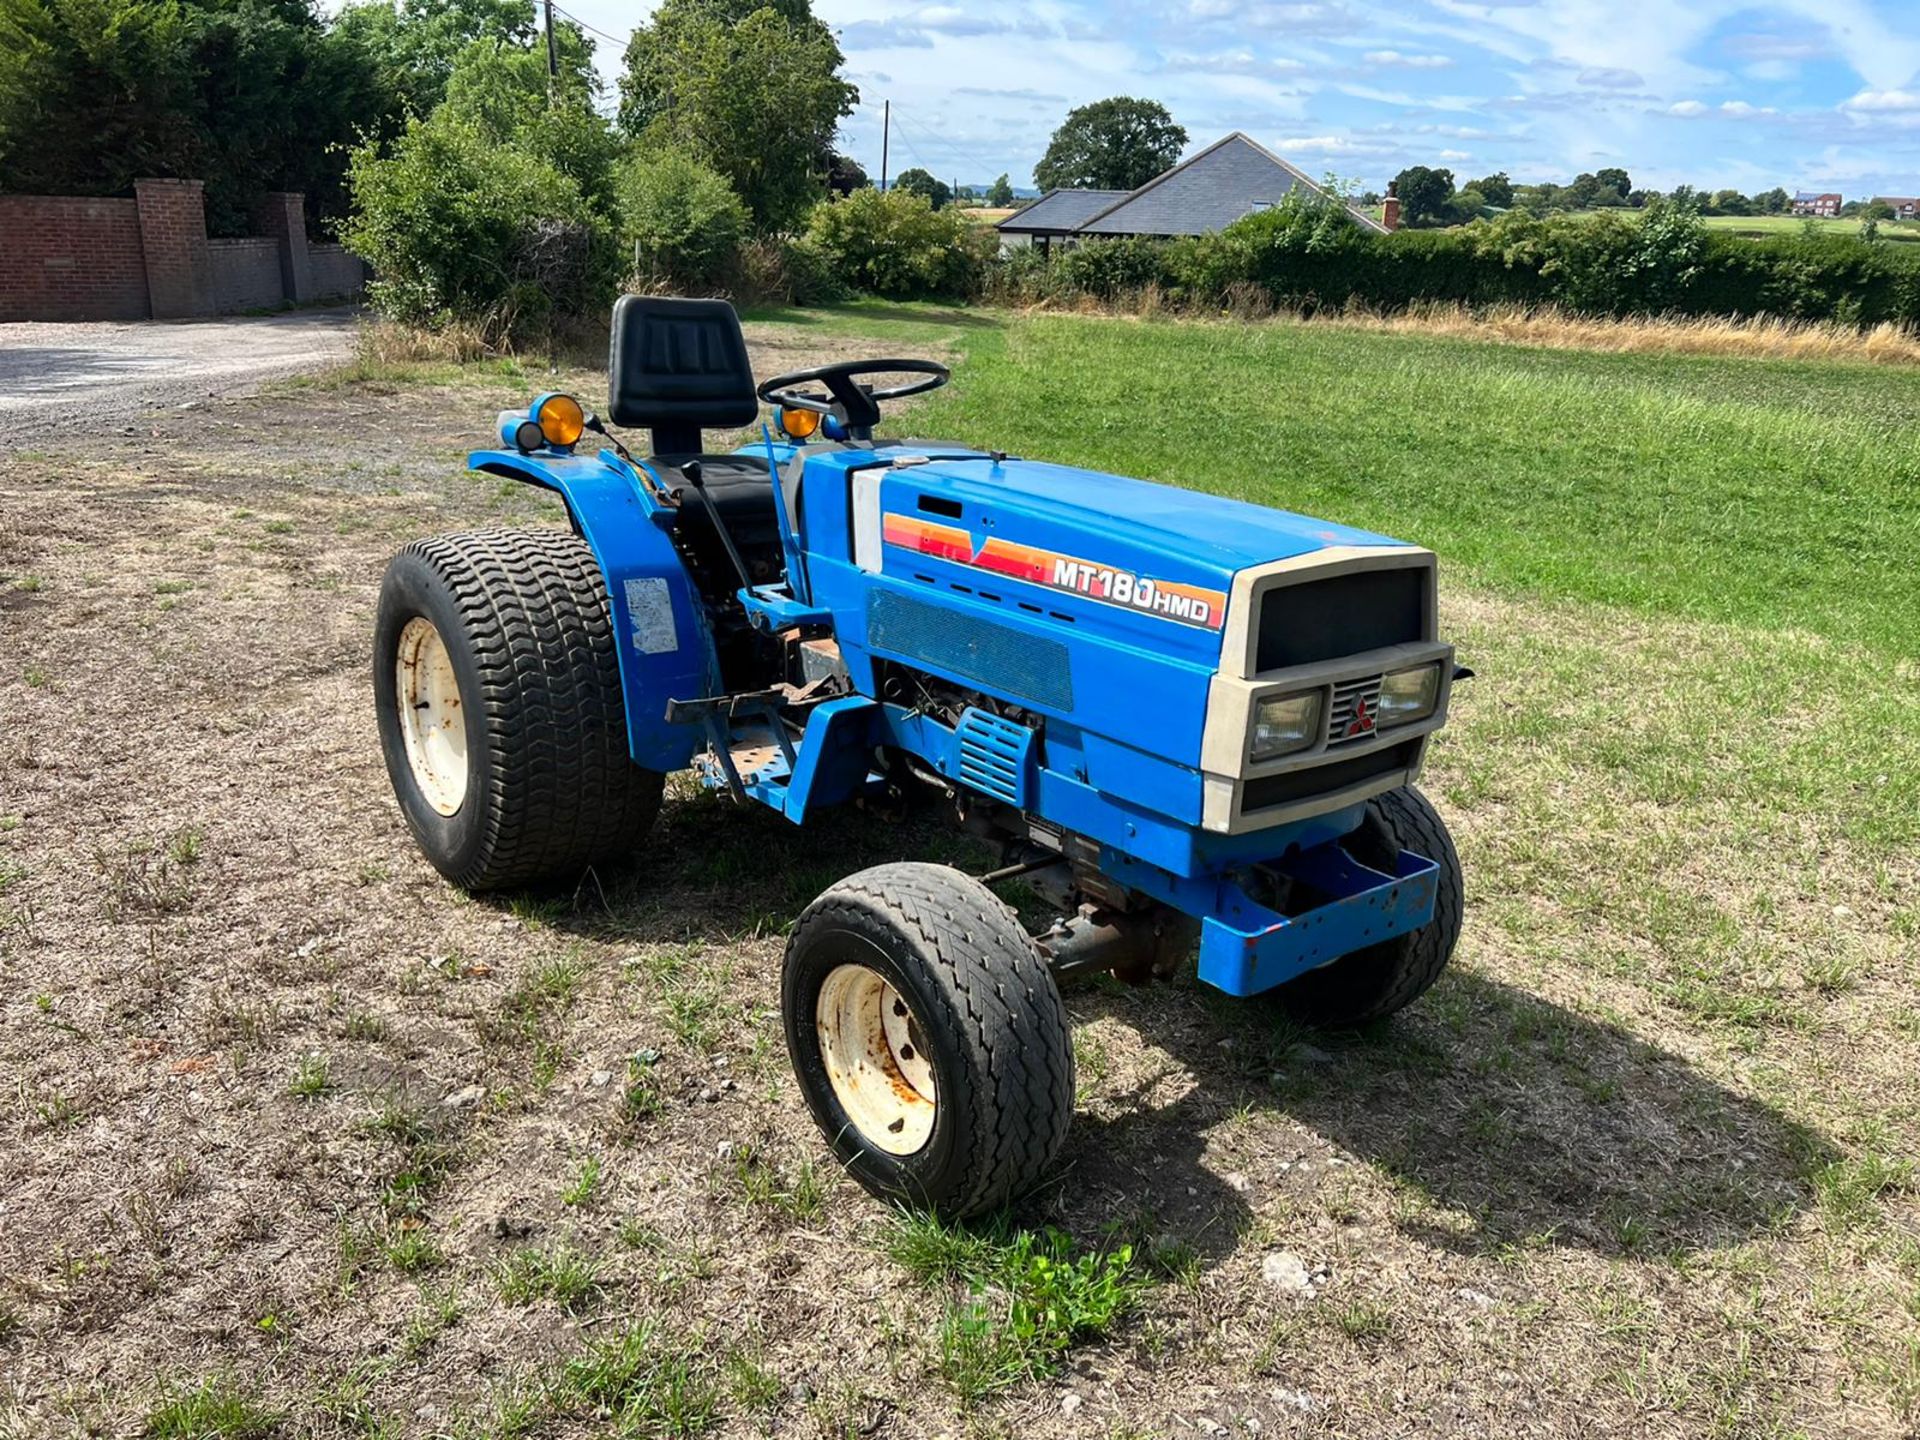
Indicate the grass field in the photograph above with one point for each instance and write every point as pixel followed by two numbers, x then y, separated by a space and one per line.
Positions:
pixel 1898 230
pixel 301 1144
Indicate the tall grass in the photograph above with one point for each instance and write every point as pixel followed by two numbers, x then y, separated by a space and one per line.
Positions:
pixel 1763 337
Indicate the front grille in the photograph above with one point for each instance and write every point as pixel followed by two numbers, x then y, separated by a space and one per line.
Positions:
pixel 1315 620
pixel 1355 711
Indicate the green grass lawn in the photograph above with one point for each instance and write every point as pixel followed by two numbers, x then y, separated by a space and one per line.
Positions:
pixel 1902 230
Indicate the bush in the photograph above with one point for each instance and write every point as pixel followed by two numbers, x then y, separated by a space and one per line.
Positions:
pixel 683 221
pixel 1307 254
pixel 460 228
pixel 788 272
pixel 1108 269
pixel 898 245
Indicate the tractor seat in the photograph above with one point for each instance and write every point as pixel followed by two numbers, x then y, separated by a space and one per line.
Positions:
pixel 677 368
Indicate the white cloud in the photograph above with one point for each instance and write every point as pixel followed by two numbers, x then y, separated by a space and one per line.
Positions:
pixel 1410 62
pixel 1687 108
pixel 1741 107
pixel 1456 154
pixel 1332 145
pixel 1883 101
pixel 1609 77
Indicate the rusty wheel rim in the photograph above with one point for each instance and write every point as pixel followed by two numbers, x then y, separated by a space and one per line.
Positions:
pixel 432 725
pixel 876 1059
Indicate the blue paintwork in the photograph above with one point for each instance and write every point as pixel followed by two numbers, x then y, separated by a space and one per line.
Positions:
pixel 619 518
pixel 1246 948
pixel 1122 692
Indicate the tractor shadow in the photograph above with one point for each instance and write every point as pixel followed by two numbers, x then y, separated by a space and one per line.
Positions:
pixel 1502 1119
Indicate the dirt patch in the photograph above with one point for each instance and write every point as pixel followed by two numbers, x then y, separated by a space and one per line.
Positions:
pixel 284 1109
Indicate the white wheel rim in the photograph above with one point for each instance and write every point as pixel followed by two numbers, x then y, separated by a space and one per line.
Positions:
pixel 432 724
pixel 876 1059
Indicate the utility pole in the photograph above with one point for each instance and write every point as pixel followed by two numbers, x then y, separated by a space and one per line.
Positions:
pixel 553 58
pixel 886 131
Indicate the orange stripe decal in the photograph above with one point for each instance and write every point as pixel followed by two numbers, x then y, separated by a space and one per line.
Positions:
pixel 1169 599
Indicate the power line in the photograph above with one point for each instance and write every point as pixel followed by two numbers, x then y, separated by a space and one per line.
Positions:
pixel 592 29
pixel 953 150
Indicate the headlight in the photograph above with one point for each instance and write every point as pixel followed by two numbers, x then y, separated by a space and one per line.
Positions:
pixel 560 418
pixel 1283 724
pixel 1409 694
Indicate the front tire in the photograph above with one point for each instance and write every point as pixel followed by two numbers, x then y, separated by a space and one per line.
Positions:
pixel 928 1039
pixel 497 689
pixel 1373 983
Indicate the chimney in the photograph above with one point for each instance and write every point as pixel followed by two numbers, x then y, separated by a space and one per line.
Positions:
pixel 1390 207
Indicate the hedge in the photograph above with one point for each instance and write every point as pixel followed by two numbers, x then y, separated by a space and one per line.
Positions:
pixel 1662 261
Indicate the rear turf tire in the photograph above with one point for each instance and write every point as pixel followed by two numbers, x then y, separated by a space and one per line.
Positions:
pixel 1373 983
pixel 497 690
pixel 928 1039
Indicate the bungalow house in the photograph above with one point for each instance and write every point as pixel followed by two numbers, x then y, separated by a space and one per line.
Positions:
pixel 1231 178
pixel 1054 217
pixel 1905 207
pixel 1806 202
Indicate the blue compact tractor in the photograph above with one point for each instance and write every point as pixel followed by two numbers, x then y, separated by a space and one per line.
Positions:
pixel 1191 724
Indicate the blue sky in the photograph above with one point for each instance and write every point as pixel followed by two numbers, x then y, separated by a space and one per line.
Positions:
pixel 1816 94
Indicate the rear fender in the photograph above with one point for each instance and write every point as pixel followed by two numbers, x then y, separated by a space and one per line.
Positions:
pixel 661 636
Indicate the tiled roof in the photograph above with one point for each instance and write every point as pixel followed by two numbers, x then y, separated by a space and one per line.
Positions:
pixel 1231 178
pixel 1062 210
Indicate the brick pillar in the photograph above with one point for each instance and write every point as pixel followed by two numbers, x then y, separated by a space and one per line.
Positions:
pixel 1390 207
pixel 283 215
pixel 173 233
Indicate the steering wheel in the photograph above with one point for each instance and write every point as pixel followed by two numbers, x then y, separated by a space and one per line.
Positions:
pixel 857 406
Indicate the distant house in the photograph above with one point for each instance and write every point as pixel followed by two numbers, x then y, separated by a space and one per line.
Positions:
pixel 1905 207
pixel 1231 178
pixel 1055 216
pixel 1806 202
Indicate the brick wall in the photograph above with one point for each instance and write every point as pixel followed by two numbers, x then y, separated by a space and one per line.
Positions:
pixel 337 273
pixel 68 258
pixel 173 232
pixel 245 274
pixel 65 258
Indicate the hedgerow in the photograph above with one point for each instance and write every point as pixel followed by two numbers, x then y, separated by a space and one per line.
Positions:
pixel 1308 254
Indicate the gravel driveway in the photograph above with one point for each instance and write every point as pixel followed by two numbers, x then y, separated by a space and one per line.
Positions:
pixel 119 367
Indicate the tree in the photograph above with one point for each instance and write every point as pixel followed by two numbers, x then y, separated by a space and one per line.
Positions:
pixel 249 95
pixel 845 174
pixel 921 182
pixel 1773 202
pixel 1495 189
pixel 1424 194
pixel 1115 144
pixel 751 87
pixel 1000 193
pixel 501 90
pixel 1729 202
pixel 415 44
pixel 1879 210
pixel 1615 179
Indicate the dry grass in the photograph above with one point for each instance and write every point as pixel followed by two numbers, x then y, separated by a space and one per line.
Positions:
pixel 1766 337
pixel 1549 327
pixel 1640 1165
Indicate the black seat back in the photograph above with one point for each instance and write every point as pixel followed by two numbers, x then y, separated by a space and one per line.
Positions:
pixel 678 367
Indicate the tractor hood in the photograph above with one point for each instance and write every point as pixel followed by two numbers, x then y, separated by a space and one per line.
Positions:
pixel 1148 560
pixel 1213 531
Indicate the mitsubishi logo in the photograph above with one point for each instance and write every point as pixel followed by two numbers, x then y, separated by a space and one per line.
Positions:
pixel 1362 721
